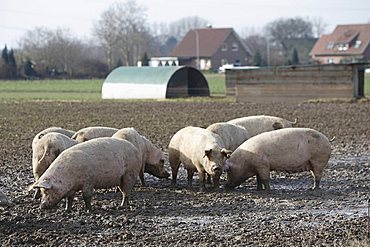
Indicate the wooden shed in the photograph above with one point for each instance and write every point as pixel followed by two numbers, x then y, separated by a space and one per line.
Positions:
pixel 154 83
pixel 296 83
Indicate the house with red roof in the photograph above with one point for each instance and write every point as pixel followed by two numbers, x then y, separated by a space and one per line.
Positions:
pixel 210 48
pixel 346 44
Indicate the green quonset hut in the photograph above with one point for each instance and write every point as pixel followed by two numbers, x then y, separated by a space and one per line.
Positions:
pixel 154 83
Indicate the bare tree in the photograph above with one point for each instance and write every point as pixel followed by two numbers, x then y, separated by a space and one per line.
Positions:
pixel 105 32
pixel 318 26
pixel 179 28
pixel 58 52
pixel 288 31
pixel 123 27
pixel 55 50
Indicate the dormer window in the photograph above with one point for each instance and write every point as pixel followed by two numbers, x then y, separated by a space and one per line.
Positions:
pixel 342 47
pixel 224 47
pixel 235 47
pixel 330 45
pixel 358 43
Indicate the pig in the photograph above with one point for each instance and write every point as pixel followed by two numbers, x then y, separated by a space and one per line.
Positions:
pixel 152 157
pixel 198 150
pixel 90 133
pixel 290 150
pixel 66 132
pixel 258 124
pixel 3 199
pixel 100 163
pixel 46 151
pixel 232 135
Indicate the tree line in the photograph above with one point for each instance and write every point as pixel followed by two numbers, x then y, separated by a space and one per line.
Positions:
pixel 122 37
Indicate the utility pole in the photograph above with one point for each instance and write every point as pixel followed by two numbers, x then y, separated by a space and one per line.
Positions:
pixel 197 47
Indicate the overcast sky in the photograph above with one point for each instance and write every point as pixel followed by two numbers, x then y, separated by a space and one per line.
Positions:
pixel 18 16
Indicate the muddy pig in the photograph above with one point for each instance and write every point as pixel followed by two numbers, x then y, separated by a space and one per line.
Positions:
pixel 287 150
pixel 100 163
pixel 152 157
pixel 46 151
pixel 199 150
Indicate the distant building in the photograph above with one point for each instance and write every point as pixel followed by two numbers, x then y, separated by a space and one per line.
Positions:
pixel 163 61
pixel 346 44
pixel 210 48
pixel 154 83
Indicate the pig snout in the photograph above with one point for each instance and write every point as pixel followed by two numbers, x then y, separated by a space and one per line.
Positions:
pixel 45 205
pixel 217 170
pixel 48 203
pixel 162 174
pixel 159 172
pixel 165 174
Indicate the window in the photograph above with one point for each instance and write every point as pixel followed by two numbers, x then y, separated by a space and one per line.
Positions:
pixel 342 47
pixel 358 43
pixel 235 47
pixel 330 45
pixel 330 60
pixel 224 47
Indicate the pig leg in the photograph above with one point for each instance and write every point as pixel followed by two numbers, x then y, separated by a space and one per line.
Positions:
pixel 202 180
pixel 259 183
pixel 216 182
pixel 127 183
pixel 316 171
pixel 87 195
pixel 263 179
pixel 141 175
pixel 208 179
pixel 174 158
pixel 316 179
pixel 69 202
pixel 190 179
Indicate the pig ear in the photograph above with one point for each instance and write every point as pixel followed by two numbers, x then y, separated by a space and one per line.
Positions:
pixel 45 184
pixel 207 152
pixel 277 126
pixel 74 137
pixel 226 153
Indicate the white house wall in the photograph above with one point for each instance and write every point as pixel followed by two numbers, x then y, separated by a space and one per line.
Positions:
pixel 133 91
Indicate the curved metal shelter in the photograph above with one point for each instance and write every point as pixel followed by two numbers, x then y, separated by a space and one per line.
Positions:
pixel 154 83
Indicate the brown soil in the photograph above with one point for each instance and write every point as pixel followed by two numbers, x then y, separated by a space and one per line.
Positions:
pixel 158 215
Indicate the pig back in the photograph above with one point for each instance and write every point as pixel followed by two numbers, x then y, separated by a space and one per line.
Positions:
pixel 93 132
pixel 39 135
pixel 132 136
pixel 258 124
pixel 101 162
pixel 289 149
pixel 232 135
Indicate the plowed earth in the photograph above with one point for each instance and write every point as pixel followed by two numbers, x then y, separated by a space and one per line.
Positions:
pixel 158 215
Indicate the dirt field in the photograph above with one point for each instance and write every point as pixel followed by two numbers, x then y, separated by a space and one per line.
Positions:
pixel 158 215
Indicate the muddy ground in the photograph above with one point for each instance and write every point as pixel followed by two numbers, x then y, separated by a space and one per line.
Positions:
pixel 158 215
